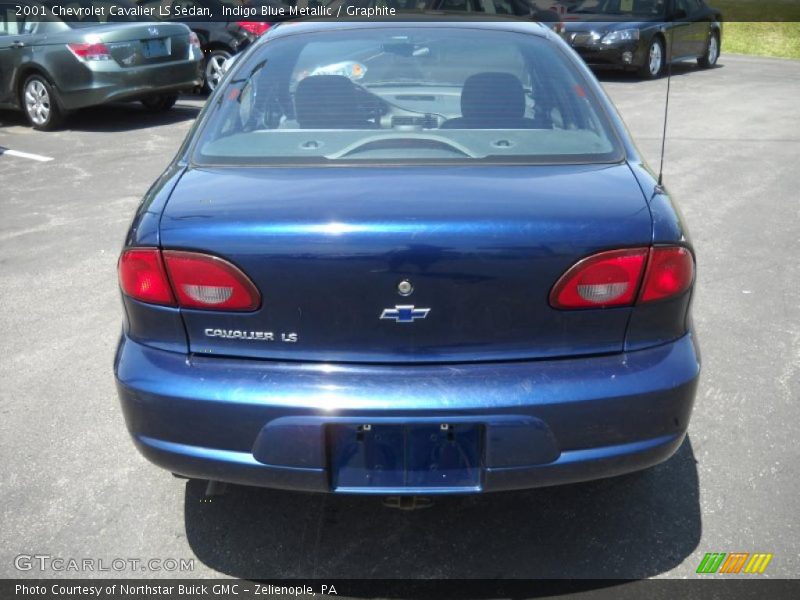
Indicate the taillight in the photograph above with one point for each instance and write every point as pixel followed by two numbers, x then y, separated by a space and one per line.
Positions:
pixel 257 28
pixel 670 272
pixel 90 51
pixel 194 40
pixel 142 276
pixel 609 278
pixel 186 279
pixel 204 281
pixel 614 278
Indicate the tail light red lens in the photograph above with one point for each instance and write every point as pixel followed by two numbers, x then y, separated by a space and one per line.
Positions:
pixel 606 279
pixel 142 276
pixel 614 278
pixel 670 272
pixel 87 51
pixel 204 281
pixel 257 28
pixel 186 279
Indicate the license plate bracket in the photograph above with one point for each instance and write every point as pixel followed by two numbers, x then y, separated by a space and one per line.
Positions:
pixel 406 457
pixel 155 48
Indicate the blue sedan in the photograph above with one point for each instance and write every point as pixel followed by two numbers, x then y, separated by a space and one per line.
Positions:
pixel 407 258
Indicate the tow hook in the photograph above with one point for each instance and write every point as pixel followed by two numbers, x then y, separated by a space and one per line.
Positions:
pixel 407 502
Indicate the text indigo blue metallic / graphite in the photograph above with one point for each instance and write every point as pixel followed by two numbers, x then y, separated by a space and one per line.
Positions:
pixel 493 390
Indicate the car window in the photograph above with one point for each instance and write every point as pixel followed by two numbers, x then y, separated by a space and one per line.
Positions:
pixel 8 21
pixel 497 7
pixel 93 12
pixel 492 7
pixel 45 23
pixel 690 6
pixel 39 20
pixel 404 94
pixel 455 5
pixel 634 8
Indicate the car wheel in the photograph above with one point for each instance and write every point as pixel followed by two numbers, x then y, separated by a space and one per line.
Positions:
pixel 214 69
pixel 709 59
pixel 160 103
pixel 654 60
pixel 40 104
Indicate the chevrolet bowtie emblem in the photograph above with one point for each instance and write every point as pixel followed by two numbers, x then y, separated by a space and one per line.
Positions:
pixel 405 313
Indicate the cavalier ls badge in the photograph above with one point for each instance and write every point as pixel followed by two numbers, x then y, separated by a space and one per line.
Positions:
pixel 405 313
pixel 254 336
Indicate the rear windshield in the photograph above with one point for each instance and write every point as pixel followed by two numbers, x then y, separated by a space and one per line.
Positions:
pixel 396 95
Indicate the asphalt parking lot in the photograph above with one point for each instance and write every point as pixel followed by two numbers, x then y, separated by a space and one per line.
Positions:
pixel 73 485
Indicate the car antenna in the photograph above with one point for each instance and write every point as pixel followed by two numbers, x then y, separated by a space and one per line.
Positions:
pixel 666 112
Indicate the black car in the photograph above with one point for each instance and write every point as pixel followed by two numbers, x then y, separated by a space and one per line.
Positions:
pixel 643 35
pixel 219 38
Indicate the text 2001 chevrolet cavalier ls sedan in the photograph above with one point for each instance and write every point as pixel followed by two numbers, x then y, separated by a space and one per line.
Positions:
pixel 407 258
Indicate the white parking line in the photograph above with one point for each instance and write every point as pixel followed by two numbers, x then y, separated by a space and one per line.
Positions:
pixel 18 154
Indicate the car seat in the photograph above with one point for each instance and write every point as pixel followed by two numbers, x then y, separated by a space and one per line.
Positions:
pixel 329 102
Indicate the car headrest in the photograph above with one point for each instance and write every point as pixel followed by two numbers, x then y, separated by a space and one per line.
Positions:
pixel 327 102
pixel 493 96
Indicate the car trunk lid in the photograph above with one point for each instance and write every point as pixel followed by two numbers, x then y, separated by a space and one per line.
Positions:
pixel 481 247
pixel 138 44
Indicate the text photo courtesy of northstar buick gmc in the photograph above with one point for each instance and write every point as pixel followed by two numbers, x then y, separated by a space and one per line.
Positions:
pixel 407 258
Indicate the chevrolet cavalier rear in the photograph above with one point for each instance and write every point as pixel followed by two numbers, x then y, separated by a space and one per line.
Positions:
pixel 407 258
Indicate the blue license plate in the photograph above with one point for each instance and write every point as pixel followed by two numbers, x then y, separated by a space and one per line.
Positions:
pixel 155 48
pixel 404 457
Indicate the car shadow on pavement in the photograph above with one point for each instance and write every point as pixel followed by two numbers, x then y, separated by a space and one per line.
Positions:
pixel 633 526
pixel 117 117
pixel 678 70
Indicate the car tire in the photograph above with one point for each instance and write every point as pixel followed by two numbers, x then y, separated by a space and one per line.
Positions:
pixel 212 71
pixel 654 61
pixel 709 59
pixel 160 103
pixel 40 103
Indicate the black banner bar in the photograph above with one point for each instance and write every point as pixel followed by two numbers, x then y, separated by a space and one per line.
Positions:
pixel 464 589
pixel 787 11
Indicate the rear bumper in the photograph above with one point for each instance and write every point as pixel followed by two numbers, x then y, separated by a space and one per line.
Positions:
pixel 543 422
pixel 106 82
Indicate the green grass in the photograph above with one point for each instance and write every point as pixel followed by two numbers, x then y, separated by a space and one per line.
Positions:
pixel 762 39
pixel 758 10
pixel 760 27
